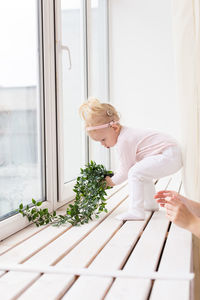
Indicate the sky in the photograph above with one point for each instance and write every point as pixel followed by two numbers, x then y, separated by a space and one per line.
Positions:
pixel 18 50
pixel 19 40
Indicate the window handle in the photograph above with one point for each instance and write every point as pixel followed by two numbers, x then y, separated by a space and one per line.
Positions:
pixel 63 47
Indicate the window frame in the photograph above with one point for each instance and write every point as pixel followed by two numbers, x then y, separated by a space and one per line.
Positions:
pixel 65 190
pixel 55 195
pixel 48 114
pixel 105 10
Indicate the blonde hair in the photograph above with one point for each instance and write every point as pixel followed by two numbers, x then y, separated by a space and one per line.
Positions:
pixel 96 113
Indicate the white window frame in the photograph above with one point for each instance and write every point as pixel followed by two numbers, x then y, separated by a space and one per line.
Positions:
pixel 105 10
pixel 56 194
pixel 47 67
pixel 65 190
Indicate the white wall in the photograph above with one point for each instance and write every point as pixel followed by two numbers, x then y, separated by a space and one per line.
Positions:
pixel 142 84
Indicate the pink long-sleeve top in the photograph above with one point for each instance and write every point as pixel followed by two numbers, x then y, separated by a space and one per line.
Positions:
pixel 134 144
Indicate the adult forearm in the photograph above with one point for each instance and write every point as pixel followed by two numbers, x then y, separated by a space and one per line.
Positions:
pixel 193 206
pixel 194 227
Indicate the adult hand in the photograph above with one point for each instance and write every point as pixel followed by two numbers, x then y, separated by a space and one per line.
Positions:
pixel 178 213
pixel 178 210
pixel 165 195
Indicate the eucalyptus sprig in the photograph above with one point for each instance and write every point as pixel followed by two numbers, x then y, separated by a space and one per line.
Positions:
pixel 90 200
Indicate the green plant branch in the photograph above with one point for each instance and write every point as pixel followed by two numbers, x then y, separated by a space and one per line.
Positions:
pixel 90 189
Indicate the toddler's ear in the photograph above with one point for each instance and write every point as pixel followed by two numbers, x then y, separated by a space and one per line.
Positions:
pixel 116 127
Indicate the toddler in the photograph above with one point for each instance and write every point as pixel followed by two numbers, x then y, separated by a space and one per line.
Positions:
pixel 143 155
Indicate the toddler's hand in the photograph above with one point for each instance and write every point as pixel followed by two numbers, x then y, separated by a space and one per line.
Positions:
pixel 109 181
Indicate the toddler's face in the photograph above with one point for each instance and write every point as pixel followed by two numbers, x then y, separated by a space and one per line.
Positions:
pixel 106 136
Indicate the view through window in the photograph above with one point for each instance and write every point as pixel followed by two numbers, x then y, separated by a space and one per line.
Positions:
pixel 21 175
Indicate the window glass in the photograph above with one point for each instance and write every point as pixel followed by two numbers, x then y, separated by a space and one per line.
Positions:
pixel 21 172
pixel 72 87
pixel 98 66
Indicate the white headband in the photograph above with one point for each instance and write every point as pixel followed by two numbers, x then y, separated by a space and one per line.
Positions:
pixel 101 126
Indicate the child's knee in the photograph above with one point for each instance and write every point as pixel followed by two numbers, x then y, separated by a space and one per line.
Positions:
pixel 135 174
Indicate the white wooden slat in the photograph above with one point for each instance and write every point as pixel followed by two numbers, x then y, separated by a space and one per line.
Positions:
pixel 163 183
pixel 172 182
pixel 144 258
pixel 111 203
pixel 176 290
pixel 48 281
pixel 33 244
pixel 140 288
pixel 80 256
pixel 30 230
pixel 18 220
pixel 71 238
pixel 54 286
pixel 176 256
pixel 112 257
pixel 24 234
pixel 19 237
pixel 85 271
pixel 175 183
pixel 23 244
pixel 57 248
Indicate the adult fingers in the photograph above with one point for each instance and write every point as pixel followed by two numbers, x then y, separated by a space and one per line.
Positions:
pixel 163 200
pixel 174 201
pixel 169 216
pixel 170 207
pixel 159 194
pixel 166 191
pixel 164 195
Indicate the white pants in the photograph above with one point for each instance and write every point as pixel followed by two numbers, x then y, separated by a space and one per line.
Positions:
pixel 141 175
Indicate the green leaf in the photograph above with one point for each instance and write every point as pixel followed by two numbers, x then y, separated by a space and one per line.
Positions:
pixel 35 216
pixel 90 190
